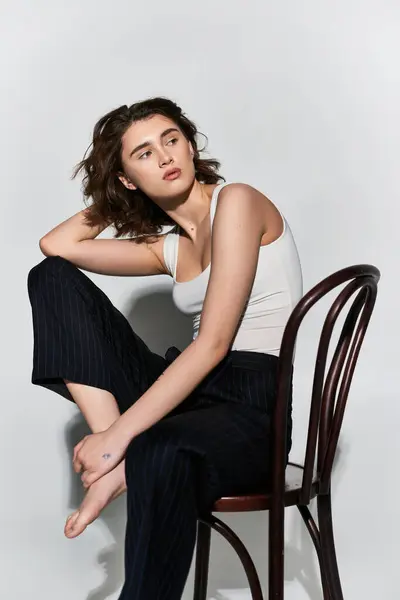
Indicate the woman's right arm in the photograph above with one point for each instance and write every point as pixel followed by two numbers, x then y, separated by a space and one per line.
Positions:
pixel 74 240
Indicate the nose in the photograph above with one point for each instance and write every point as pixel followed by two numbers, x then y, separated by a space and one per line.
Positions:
pixel 164 158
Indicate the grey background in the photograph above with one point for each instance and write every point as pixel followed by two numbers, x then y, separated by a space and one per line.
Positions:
pixel 300 99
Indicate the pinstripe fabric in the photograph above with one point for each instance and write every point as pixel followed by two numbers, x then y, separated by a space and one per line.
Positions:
pixel 215 443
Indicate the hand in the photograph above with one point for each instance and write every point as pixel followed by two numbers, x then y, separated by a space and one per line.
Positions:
pixel 97 454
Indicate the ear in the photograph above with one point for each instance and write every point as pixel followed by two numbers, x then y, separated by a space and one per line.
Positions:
pixel 191 149
pixel 126 182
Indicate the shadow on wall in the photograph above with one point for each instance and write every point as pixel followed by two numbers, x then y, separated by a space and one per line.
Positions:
pixel 156 320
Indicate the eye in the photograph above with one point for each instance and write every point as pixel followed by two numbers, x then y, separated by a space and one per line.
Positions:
pixel 144 155
pixel 172 140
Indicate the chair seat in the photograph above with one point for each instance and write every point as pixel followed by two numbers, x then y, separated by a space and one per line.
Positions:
pixel 262 500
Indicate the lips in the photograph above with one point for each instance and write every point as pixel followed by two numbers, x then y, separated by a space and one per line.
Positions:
pixel 172 174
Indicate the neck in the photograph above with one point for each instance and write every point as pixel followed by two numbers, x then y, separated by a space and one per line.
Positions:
pixel 191 210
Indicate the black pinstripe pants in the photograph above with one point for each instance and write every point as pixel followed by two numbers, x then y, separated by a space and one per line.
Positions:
pixel 215 443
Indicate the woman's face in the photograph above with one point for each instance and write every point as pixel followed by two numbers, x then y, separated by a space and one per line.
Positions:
pixel 157 158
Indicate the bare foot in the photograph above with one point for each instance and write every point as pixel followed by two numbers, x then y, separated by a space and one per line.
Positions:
pixel 100 493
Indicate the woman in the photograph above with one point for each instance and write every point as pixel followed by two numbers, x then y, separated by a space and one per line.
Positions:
pixel 179 431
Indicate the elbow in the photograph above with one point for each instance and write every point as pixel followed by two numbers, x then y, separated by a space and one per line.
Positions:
pixel 49 248
pixel 45 247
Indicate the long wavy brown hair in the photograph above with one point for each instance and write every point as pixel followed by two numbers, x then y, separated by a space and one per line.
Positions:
pixel 132 212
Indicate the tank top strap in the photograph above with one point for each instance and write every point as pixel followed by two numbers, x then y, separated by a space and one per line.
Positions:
pixel 171 242
pixel 214 199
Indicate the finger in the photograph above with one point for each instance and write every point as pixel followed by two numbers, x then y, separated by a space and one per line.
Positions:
pixel 77 448
pixel 78 464
pixel 84 479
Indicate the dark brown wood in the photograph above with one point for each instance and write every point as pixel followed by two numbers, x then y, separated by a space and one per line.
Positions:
pixel 299 484
pixel 263 500
pixel 328 546
pixel 240 549
pixel 202 560
pixel 316 538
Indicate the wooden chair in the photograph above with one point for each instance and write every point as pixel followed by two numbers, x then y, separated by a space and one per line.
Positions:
pixel 297 485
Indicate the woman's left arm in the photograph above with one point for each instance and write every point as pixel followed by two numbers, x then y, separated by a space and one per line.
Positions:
pixel 237 232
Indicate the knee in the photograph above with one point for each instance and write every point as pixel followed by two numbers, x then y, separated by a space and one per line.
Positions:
pixel 38 276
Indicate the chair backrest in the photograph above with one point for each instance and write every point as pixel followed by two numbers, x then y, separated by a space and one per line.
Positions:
pixel 327 401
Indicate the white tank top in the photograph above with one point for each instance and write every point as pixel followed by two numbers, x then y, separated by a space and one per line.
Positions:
pixel 277 287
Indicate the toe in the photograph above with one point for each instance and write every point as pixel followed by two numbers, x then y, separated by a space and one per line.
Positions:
pixel 70 524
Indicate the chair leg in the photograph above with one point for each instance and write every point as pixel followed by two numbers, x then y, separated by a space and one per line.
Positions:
pixel 241 551
pixel 276 554
pixel 315 536
pixel 202 561
pixel 324 505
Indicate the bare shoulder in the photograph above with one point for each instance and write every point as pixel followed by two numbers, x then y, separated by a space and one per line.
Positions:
pixel 245 195
pixel 244 192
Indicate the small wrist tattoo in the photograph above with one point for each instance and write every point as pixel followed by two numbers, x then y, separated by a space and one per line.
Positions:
pixel 106 456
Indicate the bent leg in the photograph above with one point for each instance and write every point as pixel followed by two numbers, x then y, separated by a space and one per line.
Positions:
pixel 176 470
pixel 81 337
pixel 85 350
pixel 161 518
